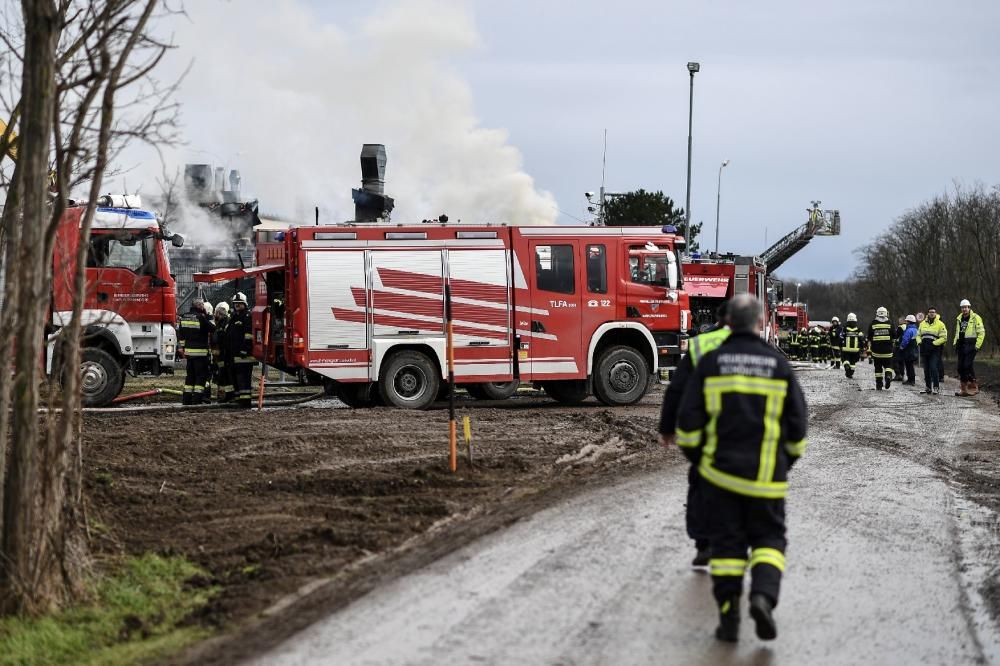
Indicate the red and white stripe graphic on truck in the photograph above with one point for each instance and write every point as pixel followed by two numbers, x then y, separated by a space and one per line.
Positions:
pixel 414 301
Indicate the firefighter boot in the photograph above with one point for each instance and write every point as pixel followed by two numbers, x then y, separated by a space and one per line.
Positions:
pixel 973 387
pixel 760 611
pixel 889 374
pixel 729 621
pixel 878 383
pixel 964 391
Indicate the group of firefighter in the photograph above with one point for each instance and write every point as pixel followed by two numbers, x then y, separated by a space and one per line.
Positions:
pixel 218 348
pixel 894 350
pixel 736 411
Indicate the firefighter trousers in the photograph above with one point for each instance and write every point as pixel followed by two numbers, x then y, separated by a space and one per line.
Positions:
pixel 883 371
pixel 194 380
pixel 850 360
pixel 695 515
pixel 241 382
pixel 742 526
pixel 223 381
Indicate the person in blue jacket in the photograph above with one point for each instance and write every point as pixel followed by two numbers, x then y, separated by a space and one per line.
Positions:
pixel 909 347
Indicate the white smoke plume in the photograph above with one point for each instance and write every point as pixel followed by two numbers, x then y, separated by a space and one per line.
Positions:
pixel 286 95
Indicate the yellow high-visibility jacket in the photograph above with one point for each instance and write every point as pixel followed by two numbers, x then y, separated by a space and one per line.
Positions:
pixel 935 334
pixel 975 329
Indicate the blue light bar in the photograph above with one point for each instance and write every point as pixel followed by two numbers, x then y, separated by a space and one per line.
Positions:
pixel 669 229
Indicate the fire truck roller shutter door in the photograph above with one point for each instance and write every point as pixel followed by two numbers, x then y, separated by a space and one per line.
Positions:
pixel 480 293
pixel 336 300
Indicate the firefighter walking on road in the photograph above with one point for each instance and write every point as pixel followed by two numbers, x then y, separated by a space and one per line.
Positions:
pixel 196 327
pixel 834 337
pixel 239 347
pixel 881 335
pixel 743 421
pixel 852 341
pixel 695 517
pixel 969 336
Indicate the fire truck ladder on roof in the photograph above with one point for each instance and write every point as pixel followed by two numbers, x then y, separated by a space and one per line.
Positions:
pixel 820 223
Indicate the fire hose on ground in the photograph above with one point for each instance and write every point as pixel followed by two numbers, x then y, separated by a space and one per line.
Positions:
pixel 296 398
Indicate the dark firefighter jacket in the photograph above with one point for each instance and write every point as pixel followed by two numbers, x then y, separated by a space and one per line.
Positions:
pixel 835 337
pixel 195 331
pixel 880 336
pixel 698 347
pixel 852 340
pixel 239 338
pixel 743 418
pixel 218 342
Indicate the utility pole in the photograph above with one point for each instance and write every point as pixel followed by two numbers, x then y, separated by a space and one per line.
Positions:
pixel 692 68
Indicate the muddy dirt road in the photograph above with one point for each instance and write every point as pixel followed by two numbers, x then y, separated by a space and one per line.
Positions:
pixel 893 551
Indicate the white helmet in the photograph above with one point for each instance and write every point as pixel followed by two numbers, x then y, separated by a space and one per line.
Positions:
pixel 851 316
pixel 835 320
pixel 965 303
pixel 222 307
pixel 911 319
pixel 882 312
pixel 240 297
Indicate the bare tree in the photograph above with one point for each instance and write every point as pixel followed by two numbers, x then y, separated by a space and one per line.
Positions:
pixel 78 57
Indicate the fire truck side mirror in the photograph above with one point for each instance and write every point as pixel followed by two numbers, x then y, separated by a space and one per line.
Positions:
pixel 177 240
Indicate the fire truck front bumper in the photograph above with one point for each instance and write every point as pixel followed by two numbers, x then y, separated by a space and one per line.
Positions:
pixel 669 349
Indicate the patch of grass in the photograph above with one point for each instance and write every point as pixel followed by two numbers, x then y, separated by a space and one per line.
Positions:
pixel 135 615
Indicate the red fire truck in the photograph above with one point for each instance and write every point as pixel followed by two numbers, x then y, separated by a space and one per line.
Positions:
pixel 711 280
pixel 130 303
pixel 790 317
pixel 577 310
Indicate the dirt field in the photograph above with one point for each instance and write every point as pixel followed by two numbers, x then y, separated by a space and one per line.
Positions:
pixel 317 505
pixel 269 502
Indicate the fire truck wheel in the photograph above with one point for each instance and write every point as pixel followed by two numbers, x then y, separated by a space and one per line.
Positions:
pixel 101 377
pixel 567 392
pixel 493 390
pixel 620 376
pixel 409 380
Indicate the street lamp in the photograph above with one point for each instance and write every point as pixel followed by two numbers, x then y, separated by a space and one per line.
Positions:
pixel 718 199
pixel 797 285
pixel 692 68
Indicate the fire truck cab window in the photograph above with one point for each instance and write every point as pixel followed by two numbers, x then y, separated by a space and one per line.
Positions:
pixel 597 270
pixel 554 270
pixel 136 255
pixel 655 268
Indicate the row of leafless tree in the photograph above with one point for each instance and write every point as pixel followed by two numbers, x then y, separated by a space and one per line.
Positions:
pixel 934 255
pixel 76 85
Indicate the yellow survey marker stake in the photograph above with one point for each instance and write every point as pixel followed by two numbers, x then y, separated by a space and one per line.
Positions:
pixel 467 428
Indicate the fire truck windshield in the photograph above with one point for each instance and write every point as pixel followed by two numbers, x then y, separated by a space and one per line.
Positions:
pixel 135 252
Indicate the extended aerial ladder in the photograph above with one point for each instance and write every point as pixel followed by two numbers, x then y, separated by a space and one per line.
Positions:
pixel 820 223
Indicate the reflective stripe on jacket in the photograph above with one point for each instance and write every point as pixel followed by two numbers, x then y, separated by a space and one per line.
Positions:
pixel 880 337
pixel 935 334
pixel 743 418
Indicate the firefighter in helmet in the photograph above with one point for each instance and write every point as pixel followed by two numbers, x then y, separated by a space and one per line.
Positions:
pixel 804 349
pixel 881 335
pixel 220 369
pixel 196 328
pixel 852 341
pixel 239 345
pixel 815 348
pixel 834 336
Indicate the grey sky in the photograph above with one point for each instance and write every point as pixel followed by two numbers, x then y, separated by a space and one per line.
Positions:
pixel 871 107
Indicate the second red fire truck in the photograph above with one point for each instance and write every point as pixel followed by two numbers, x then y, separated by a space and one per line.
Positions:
pixel 576 310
